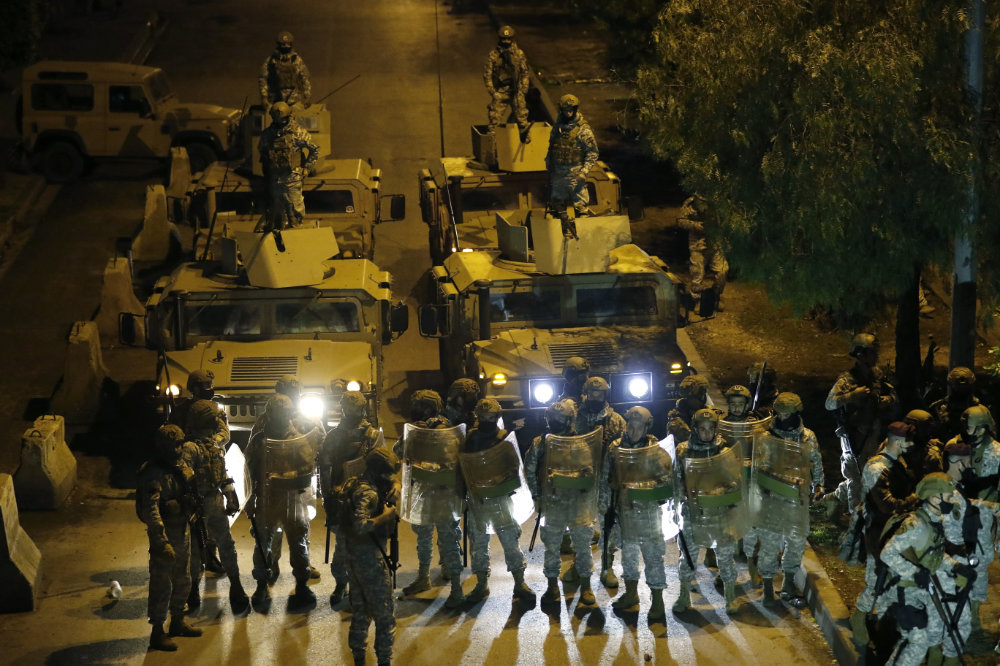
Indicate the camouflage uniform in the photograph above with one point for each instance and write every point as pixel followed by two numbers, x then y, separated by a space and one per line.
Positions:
pixel 865 418
pixel 701 258
pixel 284 77
pixel 281 155
pixel 612 421
pixel 506 79
pixel 694 396
pixel 572 154
pixel 961 395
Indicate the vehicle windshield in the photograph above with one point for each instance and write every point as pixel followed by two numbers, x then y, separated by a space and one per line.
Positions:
pixel 505 196
pixel 569 305
pixel 159 87
pixel 316 317
pixel 266 319
pixel 328 201
pixel 525 306
pixel 626 301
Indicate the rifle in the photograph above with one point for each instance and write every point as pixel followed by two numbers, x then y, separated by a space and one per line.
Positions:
pixel 465 536
pixel 938 597
pixel 326 552
pixel 684 549
pixel 337 89
pixel 609 523
pixel 760 380
pixel 257 537
pixel 393 559
pixel 215 213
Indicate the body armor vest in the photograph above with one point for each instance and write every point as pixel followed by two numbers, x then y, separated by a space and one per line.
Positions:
pixel 282 152
pixel 565 150
pixel 282 73
pixel 503 73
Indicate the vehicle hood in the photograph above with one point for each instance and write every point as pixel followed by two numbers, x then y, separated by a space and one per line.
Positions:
pixel 185 113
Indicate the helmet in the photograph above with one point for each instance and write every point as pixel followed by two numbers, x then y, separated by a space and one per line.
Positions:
pixel 425 401
pixel 167 436
pixel 918 417
pixel 288 385
pixel 280 407
pixel 462 388
pixel 705 416
pixel 353 401
pixel 200 379
pixel 936 483
pixel 562 410
pixel 692 385
pixel 284 39
pixel 901 429
pixel 960 375
pixel 575 365
pixel 738 391
pixel 639 412
pixel 381 462
pixel 488 408
pixel 863 341
pixel 978 415
pixel 280 110
pixel 788 402
pixel 569 102
pixel 957 447
pixel 505 33
pixel 202 416
pixel 596 384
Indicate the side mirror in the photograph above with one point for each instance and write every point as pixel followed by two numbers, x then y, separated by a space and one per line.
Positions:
pixel 127 329
pixel 397 207
pixel 399 318
pixel 435 320
pixel 636 211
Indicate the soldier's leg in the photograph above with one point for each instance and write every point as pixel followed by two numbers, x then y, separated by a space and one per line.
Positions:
pixel 654 552
pixel 767 556
pixel 338 561
pixel 583 558
pixel 180 575
pixel 479 547
pixel 964 629
pixel 552 535
pixel 581 196
pixel 630 559
pixel 357 634
pixel 159 591
pixel 262 569
pixel 449 546
pixel 512 554
pixel 718 266
pixel 196 567
pixel 497 110
pixel 795 548
pixel 296 202
pixel 559 182
pixel 217 525
pixel 725 555
pixel 520 109
pixel 383 611
pixel 696 268
pixel 425 545
pixel 866 600
pixel 297 533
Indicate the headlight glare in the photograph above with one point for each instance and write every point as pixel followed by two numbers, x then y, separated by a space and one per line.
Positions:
pixel 499 379
pixel 354 385
pixel 638 387
pixel 676 368
pixel 174 390
pixel 312 407
pixel 542 392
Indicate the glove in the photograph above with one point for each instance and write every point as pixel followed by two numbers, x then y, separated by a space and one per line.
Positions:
pixel 232 502
pixel 966 571
pixel 393 496
pixel 922 578
pixel 165 553
pixel 818 494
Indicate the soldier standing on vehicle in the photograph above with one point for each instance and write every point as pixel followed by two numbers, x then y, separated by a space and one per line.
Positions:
pixel 570 507
pixel 961 395
pixel 460 402
pixel 804 459
pixel 351 440
pixel 281 148
pixel 492 510
pixel 694 396
pixel 207 457
pixel 887 487
pixel 702 259
pixel 636 465
pixel 506 78
pixel 284 76
pixel 165 502
pixel 978 428
pixel 430 439
pixel 862 399
pixel 572 154
pixel 368 519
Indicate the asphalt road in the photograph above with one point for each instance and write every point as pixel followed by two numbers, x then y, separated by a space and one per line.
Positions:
pixel 412 56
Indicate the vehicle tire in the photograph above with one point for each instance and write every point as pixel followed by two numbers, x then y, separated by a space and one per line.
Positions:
pixel 60 162
pixel 200 156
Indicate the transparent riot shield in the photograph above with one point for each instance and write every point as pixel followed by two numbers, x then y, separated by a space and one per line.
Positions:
pixel 780 485
pixel 645 483
pixel 356 466
pixel 743 432
pixel 236 468
pixel 430 474
pixel 572 466
pixel 289 464
pixel 498 492
pixel 715 507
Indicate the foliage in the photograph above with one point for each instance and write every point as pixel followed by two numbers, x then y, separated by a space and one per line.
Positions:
pixel 833 138
pixel 629 26
pixel 21 24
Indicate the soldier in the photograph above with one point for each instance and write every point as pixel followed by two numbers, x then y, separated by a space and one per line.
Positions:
pixel 927 453
pixel 708 527
pixel 165 503
pixel 634 460
pixel 352 439
pixel 490 510
pixel 284 76
pixel 282 463
pixel 572 153
pixel 564 508
pixel 768 385
pixel 916 553
pixel 595 411
pixel 207 458
pixel 694 396
pixel 460 402
pixel 887 487
pixel 694 214
pixel 506 79
pixel 977 431
pixel 961 395
pixel 861 397
pixel 368 520
pixel 575 373
pixel 439 506
pixel 281 152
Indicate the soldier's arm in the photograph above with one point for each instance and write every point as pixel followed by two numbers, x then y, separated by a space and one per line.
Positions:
pixel 836 398
pixel 365 519
pixel 884 502
pixel 151 513
pixel 590 150
pixel 312 150
pixel 521 71
pixel 222 434
pixel 818 478
pixel 262 81
pixel 488 73
pixel 892 554
pixel 305 81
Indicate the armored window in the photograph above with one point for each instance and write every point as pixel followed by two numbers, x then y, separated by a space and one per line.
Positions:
pixel 240 203
pixel 317 317
pixel 490 198
pixel 225 319
pixel 328 201
pixel 525 306
pixel 627 301
pixel 127 99
pixel 62 97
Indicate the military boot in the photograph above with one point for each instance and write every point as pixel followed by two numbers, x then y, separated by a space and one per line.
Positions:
pixel 261 595
pixel 180 627
pixel 629 598
pixel 729 592
pixel 422 582
pixel 684 598
pixel 302 593
pixel 522 591
pixel 859 628
pixel 339 590
pixel 551 594
pixel 657 613
pixel 239 602
pixel 587 597
pixel 566 545
pixel 790 593
pixel 571 575
pixel 755 577
pixel 194 598
pixel 609 579
pixel 768 595
pixel 481 590
pixel 314 573
pixel 457 596
pixel 159 640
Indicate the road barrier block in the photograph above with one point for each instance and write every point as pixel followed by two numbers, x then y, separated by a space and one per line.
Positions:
pixel 152 243
pixel 47 472
pixel 78 398
pixel 20 559
pixel 117 296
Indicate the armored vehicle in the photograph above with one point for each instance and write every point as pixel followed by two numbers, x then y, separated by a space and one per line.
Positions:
pixel 459 196
pixel 71 112
pixel 274 305
pixel 513 315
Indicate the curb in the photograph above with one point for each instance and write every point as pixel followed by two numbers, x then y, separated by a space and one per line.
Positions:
pixel 827 607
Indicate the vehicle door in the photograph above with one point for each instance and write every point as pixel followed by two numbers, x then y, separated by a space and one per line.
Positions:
pixel 134 130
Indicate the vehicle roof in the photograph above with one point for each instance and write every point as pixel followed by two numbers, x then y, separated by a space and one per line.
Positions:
pixel 342 170
pixel 94 70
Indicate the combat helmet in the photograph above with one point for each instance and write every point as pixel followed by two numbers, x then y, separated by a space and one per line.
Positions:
pixel 935 483
pixel 705 415
pixel 962 378
pixel 788 402
pixel 505 34
pixel 353 402
pixel 561 410
pixel 863 341
pixel 284 41
pixel 380 462
pixel 288 385
pixel 692 385
pixel 488 409
pixel 918 417
pixel 575 365
pixel 200 379
pixel 568 102
pixel 738 390
pixel 596 384
pixel 978 415
pixel 425 402
pixel 167 438
pixel 280 111
pixel 639 412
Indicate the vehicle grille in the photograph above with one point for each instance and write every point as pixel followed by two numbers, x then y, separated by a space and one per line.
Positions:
pixel 600 354
pixel 263 368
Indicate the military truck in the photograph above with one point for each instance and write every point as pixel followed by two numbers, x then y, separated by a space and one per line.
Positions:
pixel 511 316
pixel 73 112
pixel 273 305
pixel 460 195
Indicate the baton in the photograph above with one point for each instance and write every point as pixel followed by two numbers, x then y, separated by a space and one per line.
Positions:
pixel 326 553
pixel 760 380
pixel 684 549
pixel 465 537
pixel 534 532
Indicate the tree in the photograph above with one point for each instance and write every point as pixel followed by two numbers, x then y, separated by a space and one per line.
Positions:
pixel 21 24
pixel 832 138
pixel 629 27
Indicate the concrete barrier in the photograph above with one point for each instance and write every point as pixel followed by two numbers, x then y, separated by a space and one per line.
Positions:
pixel 177 185
pixel 48 468
pixel 152 243
pixel 20 559
pixel 78 398
pixel 117 296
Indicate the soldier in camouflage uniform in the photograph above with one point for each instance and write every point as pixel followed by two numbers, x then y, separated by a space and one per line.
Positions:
pixel 644 518
pixel 961 395
pixel 887 487
pixel 487 434
pixel 281 148
pixel 694 396
pixel 978 428
pixel 165 502
pixel 284 76
pixel 460 402
pixel 927 454
pixel 506 78
pixel 206 455
pixel 572 154
pixel 593 411
pixel 425 412
pixel 914 553
pixel 353 437
pixel 575 373
pixel 861 397
pixel 371 516
pixel 561 508
pixel 702 259
pixel 738 403
pixel 787 425
pixel 768 385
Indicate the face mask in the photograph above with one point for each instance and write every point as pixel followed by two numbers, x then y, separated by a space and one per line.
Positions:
pixel 946 507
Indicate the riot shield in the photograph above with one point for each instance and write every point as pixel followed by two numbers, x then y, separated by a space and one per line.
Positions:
pixel 780 485
pixel 572 466
pixel 743 432
pixel 645 480
pixel 498 492
pixel 236 468
pixel 289 464
pixel 715 507
pixel 356 466
pixel 430 474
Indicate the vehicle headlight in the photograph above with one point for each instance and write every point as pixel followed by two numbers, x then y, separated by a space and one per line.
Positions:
pixel 499 379
pixel 542 392
pixel 354 385
pixel 312 407
pixel 638 387
pixel 174 390
pixel 676 368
